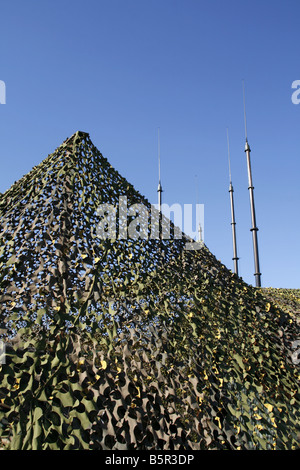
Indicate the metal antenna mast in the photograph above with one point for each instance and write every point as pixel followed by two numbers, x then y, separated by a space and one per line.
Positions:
pixel 253 229
pixel 233 224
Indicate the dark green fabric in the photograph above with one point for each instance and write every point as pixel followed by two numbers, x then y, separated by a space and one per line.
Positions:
pixel 129 344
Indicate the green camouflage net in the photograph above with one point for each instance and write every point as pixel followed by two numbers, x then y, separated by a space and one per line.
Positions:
pixel 130 343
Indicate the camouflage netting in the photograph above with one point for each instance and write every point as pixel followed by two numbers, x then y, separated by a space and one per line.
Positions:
pixel 130 343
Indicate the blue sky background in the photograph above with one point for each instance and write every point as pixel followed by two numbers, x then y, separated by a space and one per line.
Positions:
pixel 119 69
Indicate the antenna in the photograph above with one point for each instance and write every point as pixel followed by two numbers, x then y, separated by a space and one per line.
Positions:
pixel 245 117
pixel 197 203
pixel 253 229
pixel 158 154
pixel 233 224
pixel 228 156
pixel 159 189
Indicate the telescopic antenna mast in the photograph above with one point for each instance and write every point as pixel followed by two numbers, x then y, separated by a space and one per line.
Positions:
pixel 233 223
pixel 254 228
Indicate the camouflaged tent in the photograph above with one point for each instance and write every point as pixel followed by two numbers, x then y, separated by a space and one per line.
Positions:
pixel 130 343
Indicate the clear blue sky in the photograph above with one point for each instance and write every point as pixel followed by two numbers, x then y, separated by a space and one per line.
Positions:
pixel 119 69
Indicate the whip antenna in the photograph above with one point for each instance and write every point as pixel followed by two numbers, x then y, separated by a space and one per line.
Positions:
pixel 159 189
